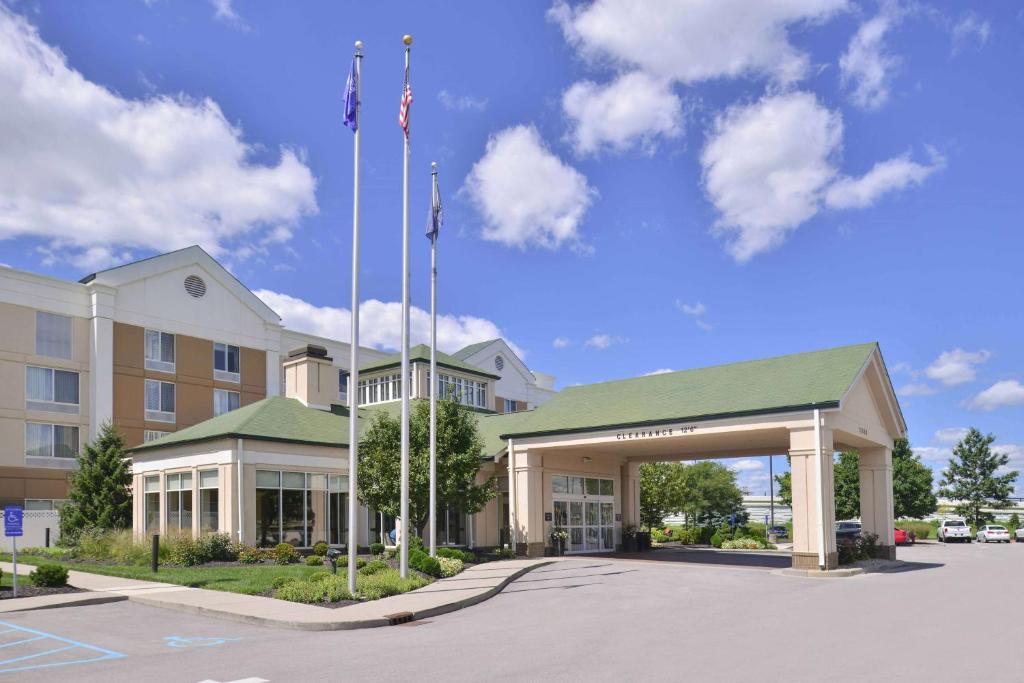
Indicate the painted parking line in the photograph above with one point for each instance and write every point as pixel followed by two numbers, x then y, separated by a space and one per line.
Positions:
pixel 24 654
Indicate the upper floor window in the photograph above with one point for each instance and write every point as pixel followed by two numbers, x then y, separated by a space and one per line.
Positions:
pixel 53 335
pixel 226 362
pixel 225 401
pixel 466 391
pixel 152 435
pixel 159 401
pixel 52 390
pixel 159 351
pixel 510 405
pixel 381 389
pixel 343 385
pixel 50 441
pixel 45 503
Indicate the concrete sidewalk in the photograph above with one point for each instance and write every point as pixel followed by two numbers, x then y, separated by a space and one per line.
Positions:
pixel 474 585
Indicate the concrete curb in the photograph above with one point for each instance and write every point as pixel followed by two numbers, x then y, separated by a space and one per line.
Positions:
pixel 818 574
pixel 67 600
pixel 337 625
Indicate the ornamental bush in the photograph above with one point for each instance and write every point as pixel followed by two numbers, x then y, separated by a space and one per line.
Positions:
pixel 376 548
pixel 219 548
pixel 456 554
pixel 450 566
pixel 308 592
pixel 281 581
pixel 386 583
pixel 285 553
pixel 250 554
pixel 314 561
pixel 422 562
pixel 49 576
pixel 717 540
pixel 321 548
pixel 186 551
pixel 743 544
pixel 373 567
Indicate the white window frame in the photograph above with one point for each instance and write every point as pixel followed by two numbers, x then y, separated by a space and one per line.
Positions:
pixel 510 402
pixel 53 405
pixel 53 441
pixel 155 363
pixel 52 503
pixel 71 335
pixel 160 415
pixel 226 375
pixel 152 435
pixel 229 392
pixel 180 489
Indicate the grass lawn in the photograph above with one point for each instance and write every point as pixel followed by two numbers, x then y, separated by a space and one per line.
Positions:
pixel 249 579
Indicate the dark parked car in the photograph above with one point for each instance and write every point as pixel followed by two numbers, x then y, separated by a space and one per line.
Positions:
pixel 847 531
pixel 779 531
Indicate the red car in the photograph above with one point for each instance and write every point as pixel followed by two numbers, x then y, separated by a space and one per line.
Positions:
pixel 903 538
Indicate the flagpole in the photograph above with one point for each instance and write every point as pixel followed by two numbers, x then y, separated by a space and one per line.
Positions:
pixel 404 504
pixel 353 377
pixel 433 367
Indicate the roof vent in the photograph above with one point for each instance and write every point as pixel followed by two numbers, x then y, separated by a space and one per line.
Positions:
pixel 499 363
pixel 195 286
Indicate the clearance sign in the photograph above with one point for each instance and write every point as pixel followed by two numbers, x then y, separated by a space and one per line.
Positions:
pixel 655 433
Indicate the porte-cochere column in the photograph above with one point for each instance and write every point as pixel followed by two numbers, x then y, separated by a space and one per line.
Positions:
pixel 809 451
pixel 876 500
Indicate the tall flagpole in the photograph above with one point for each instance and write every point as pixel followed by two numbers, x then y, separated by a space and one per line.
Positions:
pixel 433 365
pixel 405 385
pixel 353 377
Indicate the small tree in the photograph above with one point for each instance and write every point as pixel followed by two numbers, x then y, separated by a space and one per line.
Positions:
pixel 660 491
pixel 970 479
pixel 846 477
pixel 100 494
pixel 710 495
pixel 458 461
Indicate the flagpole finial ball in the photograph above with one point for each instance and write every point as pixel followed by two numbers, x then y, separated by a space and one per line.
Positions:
pixel 359 45
pixel 433 165
pixel 407 39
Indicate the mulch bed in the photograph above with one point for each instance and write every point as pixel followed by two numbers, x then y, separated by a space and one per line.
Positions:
pixel 29 591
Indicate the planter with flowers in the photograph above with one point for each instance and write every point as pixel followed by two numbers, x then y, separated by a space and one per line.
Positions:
pixel 559 537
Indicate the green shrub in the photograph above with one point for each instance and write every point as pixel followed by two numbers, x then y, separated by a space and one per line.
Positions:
pixel 373 567
pixel 430 566
pixel 386 583
pixel 186 551
pixel 309 592
pixel 321 549
pixel 336 588
pixel 376 548
pixel 53 553
pixel 360 563
pixel 450 566
pixel 314 561
pixel 863 547
pixel 285 553
pixel 250 554
pixel 717 540
pixel 49 576
pixel 281 581
pixel 219 548
pixel 920 529
pixel 456 554
pixel 505 553
pixel 744 544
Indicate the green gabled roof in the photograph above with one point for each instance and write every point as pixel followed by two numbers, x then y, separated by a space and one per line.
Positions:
pixel 817 379
pixel 421 354
pixel 492 427
pixel 271 419
pixel 466 352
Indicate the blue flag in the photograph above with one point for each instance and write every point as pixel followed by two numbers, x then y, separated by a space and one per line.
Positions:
pixel 351 98
pixel 434 219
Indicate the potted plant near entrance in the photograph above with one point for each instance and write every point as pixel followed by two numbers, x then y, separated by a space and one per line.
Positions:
pixel 630 539
pixel 559 537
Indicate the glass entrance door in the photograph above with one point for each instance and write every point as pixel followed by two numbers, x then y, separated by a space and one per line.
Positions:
pixel 585 508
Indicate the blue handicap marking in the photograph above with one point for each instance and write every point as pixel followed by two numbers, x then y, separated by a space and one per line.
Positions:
pixel 26 649
pixel 199 641
pixel 13 515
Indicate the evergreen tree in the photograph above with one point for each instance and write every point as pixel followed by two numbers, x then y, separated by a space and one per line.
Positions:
pixel 971 480
pixel 458 461
pixel 100 495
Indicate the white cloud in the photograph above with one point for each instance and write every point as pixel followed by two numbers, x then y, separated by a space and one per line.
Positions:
pixel 950 434
pixel 380 323
pixel 461 102
pixel 956 366
pixel 917 389
pixel 747 465
pixel 224 10
pixel 694 40
pixel 866 66
pixel 970 29
pixel 603 341
pixel 707 327
pixel 526 195
pixel 94 174
pixel 933 453
pixel 765 167
pixel 1008 392
pixel 561 342
pixel 659 371
pixel 697 309
pixel 633 110
pixel 887 176
pixel 1015 452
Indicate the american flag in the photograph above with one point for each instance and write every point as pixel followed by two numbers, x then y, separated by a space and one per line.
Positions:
pixel 403 111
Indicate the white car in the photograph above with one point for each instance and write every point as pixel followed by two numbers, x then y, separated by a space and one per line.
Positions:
pixel 1019 534
pixel 993 532
pixel 953 530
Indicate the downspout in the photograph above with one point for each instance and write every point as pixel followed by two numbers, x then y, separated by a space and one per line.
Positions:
pixel 241 518
pixel 820 487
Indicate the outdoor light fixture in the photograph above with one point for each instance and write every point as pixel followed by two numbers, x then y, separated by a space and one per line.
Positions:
pixel 587 458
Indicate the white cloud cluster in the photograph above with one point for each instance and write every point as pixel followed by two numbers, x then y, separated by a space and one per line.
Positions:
pixel 95 174
pixel 561 342
pixel 526 195
pixel 917 389
pixel 1007 392
pixel 956 366
pixel 747 465
pixel 380 323
pixel 603 341
pixel 659 371
pixel 887 176
pixel 867 67
pixel 461 102
pixel 950 434
pixel 970 28
pixel 697 311
pixel 632 110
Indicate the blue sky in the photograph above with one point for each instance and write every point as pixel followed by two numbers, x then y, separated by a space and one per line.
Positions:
pixel 626 190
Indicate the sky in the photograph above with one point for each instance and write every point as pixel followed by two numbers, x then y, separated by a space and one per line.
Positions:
pixel 628 187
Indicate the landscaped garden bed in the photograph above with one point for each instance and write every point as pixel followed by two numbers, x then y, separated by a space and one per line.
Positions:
pixel 47 581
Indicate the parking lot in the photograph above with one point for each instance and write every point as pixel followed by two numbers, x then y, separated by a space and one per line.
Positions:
pixel 948 615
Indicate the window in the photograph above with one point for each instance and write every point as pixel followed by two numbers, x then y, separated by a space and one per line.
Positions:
pixel 152 491
pixel 53 335
pixel 465 391
pixel 159 401
pixel 342 385
pixel 209 501
pixel 381 389
pixel 179 502
pixel 337 506
pixel 52 390
pixel 44 503
pixel 159 351
pixel 152 435
pixel 225 401
pixel 510 405
pixel 301 508
pixel 226 362
pixel 50 441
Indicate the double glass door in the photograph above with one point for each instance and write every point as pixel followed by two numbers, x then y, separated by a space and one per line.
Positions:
pixel 585 507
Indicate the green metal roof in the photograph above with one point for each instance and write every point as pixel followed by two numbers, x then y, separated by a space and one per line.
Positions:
pixel 492 427
pixel 271 419
pixel 421 353
pixel 466 352
pixel 817 379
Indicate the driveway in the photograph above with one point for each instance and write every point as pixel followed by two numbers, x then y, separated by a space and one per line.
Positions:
pixel 604 619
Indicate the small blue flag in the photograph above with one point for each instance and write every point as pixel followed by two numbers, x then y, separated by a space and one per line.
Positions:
pixel 434 219
pixel 351 98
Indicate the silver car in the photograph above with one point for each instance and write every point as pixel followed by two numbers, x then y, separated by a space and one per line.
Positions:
pixel 1019 534
pixel 993 533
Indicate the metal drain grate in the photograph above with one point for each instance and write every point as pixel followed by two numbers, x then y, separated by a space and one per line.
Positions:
pixel 398 618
